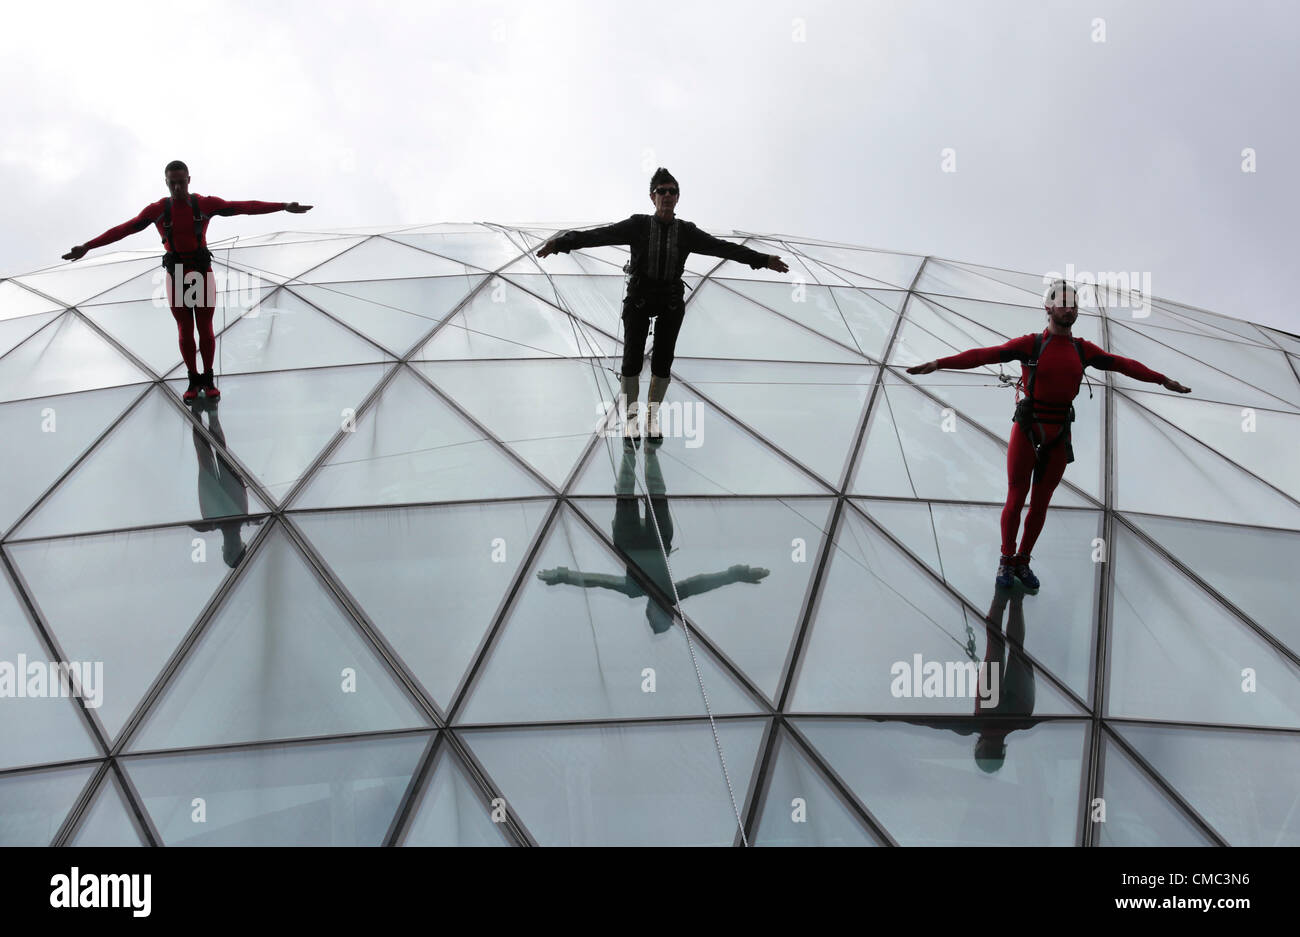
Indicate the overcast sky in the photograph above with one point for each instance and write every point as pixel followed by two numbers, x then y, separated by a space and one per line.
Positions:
pixel 820 119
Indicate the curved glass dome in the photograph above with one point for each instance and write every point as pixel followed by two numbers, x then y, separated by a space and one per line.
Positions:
pixel 403 584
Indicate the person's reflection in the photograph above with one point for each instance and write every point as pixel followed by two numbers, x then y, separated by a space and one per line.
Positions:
pixel 1005 656
pixel 635 536
pixel 222 493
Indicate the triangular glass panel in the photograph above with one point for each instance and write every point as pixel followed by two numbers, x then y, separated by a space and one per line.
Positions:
pixel 1241 782
pixel 34 804
pixel 721 323
pixel 381 259
pixel 505 321
pixel 1211 323
pixel 545 410
pixel 1178 655
pixel 411 447
pixel 44 436
pixel 91 590
pixel 287 261
pixel 886 638
pixel 961 783
pixel 801 809
pixel 741 568
pixel 285 332
pixel 840 314
pixel 1266 368
pixel 1058 625
pixel 143 473
pixel 917 448
pixel 321 794
pixel 640 785
pixel 394 313
pixel 598 300
pixel 776 398
pixel 41 724
pixel 486 250
pixel 1287 341
pixel 931 332
pixel 279 660
pixel 893 269
pixel 1013 321
pixel 583 640
pixel 704 452
pixel 1138 813
pixel 452 811
pixel 64 357
pixel 18 303
pixel 959 280
pixel 278 422
pixel 1193 481
pixel 431 580
pixel 76 284
pixel 14 332
pixel 108 821
pixel 1252 567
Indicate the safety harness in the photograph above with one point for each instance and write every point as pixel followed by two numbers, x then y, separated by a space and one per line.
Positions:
pixel 198 260
pixel 1030 413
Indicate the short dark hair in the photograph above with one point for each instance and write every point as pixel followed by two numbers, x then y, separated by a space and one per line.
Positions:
pixel 174 165
pixel 660 177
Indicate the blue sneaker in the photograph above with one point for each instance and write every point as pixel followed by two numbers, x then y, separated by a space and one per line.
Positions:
pixel 1006 573
pixel 1024 574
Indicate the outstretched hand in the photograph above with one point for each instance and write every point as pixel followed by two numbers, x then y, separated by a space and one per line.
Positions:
pixel 745 573
pixel 547 249
pixel 553 577
pixel 76 253
pixel 1171 384
pixel 923 368
pixel 776 263
pixel 297 209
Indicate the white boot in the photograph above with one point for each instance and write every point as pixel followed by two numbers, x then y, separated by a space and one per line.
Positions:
pixel 629 390
pixel 658 387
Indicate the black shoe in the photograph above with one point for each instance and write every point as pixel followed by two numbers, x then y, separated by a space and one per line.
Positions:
pixel 196 383
pixel 1025 575
pixel 209 388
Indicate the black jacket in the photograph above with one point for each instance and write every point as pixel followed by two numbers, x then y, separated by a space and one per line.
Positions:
pixel 659 250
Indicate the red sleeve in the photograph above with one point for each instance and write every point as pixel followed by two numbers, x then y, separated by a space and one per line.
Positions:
pixel 148 215
pixel 211 205
pixel 1097 358
pixel 1016 349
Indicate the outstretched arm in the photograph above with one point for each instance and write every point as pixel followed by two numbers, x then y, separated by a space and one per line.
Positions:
pixel 212 205
pixel 620 232
pixel 1095 357
pixel 707 582
pixel 148 215
pixel 1018 349
pixel 562 575
pixel 701 242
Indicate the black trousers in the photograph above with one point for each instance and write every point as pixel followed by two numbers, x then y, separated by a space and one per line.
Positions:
pixel 638 309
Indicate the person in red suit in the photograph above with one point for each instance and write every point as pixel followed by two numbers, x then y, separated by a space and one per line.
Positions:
pixel 182 223
pixel 1040 437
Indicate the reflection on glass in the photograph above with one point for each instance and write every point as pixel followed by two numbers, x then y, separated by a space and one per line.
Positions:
pixel 222 493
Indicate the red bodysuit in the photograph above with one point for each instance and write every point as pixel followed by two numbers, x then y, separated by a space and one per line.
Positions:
pixel 1057 383
pixel 187 247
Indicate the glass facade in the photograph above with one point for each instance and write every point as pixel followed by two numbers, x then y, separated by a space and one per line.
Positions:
pixel 404 584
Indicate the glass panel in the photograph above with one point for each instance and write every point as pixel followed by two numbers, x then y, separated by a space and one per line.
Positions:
pixel 648 785
pixel 43 436
pixel 600 261
pixel 703 452
pixel 801 809
pixel 583 639
pixel 331 794
pixel 34 805
pixel 546 411
pixel 1267 442
pixel 1211 323
pixel 285 332
pixel 75 284
pixel 91 591
pixel 1137 812
pixel 453 811
pixel 1253 568
pixel 278 422
pixel 894 269
pixel 409 446
pixel 381 259
pixel 287 260
pixel 883 629
pixel 776 398
pixel 1242 783
pixel 15 331
pixel 1193 481
pixel 932 784
pixel 64 357
pixel 722 324
pixel 598 300
pixel 1289 342
pixel 1014 321
pixel 992 404
pixel 1178 655
pixel 505 321
pixel 109 821
pixel 1206 382
pixel 927 323
pixel 1059 629
pixel 145 473
pixel 487 250
pixel 960 280
pixel 802 270
pixel 395 313
pixel 41 724
pixel 741 568
pixel 430 579
pixel 18 303
pixel 278 660
pixel 1265 368
pixel 813 306
pixel 149 331
pixel 908 453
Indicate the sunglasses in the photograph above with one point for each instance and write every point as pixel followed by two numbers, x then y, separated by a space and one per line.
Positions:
pixel 666 190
